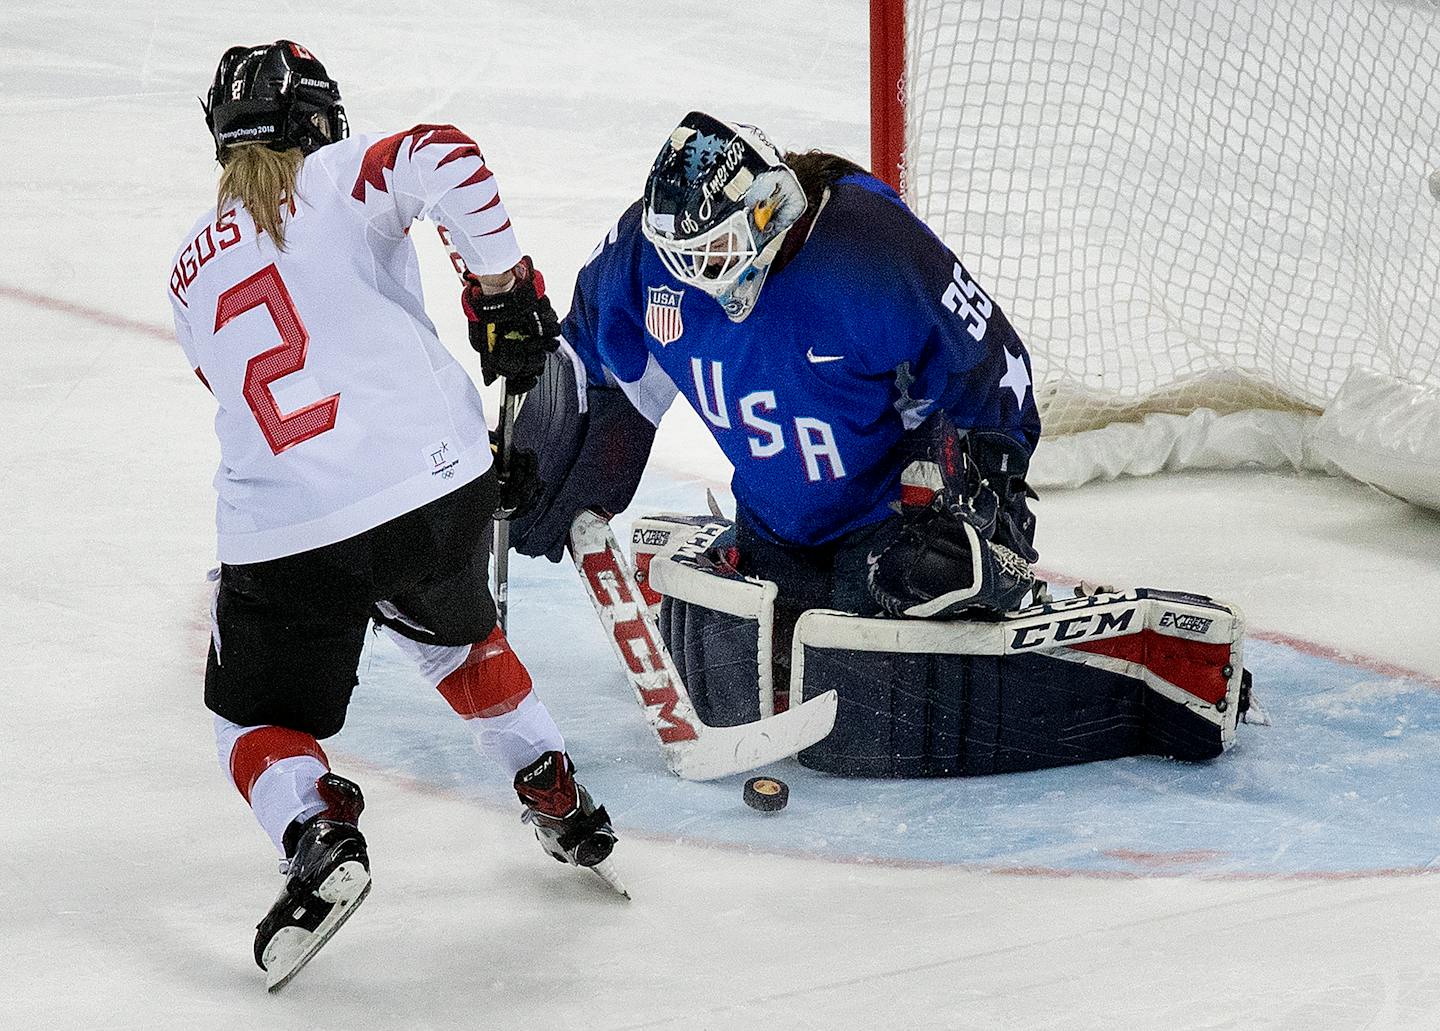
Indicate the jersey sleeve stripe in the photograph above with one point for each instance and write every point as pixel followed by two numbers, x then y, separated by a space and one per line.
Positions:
pixel 486 206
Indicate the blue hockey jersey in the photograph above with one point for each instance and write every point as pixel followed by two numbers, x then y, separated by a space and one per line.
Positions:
pixel 870 327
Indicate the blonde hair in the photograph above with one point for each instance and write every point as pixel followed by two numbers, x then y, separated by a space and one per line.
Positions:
pixel 264 181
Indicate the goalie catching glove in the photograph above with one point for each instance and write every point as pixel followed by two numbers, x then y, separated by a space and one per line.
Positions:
pixel 939 566
pixel 966 530
pixel 513 331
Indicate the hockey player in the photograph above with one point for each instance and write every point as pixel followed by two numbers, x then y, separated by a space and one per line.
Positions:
pixel 842 356
pixel 355 478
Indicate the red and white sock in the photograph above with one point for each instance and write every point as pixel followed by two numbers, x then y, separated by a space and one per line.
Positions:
pixel 275 770
pixel 489 687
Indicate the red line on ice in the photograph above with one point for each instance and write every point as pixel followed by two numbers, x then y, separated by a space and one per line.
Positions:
pixel 82 311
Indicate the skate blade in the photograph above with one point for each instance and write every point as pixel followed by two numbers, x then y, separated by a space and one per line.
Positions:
pixel 292 947
pixel 605 870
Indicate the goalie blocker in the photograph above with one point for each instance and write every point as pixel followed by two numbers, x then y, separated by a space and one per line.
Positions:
pixel 1140 672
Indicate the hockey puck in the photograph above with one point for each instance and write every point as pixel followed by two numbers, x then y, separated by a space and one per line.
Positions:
pixel 766 794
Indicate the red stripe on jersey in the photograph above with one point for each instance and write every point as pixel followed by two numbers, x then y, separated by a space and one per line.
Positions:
pixel 427 135
pixel 382 154
pixel 258 750
pixel 203 380
pixel 467 151
pixel 487 205
pixel 499 229
pixel 1193 666
pixel 490 682
pixel 478 176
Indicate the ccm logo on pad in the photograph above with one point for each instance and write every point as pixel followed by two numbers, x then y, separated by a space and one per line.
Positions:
pixel 1080 627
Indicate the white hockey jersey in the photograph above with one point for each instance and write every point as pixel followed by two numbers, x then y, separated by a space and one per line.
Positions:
pixel 338 406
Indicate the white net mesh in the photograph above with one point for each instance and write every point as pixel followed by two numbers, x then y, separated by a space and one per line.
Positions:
pixel 1184 204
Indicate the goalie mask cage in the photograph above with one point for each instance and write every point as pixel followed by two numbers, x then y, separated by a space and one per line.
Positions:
pixel 1188 205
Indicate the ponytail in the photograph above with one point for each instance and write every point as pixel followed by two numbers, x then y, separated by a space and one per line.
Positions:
pixel 263 180
pixel 818 170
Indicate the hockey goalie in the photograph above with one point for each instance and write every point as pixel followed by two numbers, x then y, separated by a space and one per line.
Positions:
pixel 872 605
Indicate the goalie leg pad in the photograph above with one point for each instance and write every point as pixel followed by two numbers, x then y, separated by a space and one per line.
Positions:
pixel 717 657
pixel 973 715
pixel 719 628
pixel 1143 673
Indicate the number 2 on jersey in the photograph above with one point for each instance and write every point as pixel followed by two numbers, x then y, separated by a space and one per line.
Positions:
pixel 281 430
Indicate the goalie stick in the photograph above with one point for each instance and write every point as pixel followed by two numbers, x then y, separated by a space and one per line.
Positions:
pixel 692 749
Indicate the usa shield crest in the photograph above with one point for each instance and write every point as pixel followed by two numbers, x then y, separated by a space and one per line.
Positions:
pixel 662 314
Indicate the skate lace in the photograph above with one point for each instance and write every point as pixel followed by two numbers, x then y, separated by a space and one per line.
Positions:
pixel 545 820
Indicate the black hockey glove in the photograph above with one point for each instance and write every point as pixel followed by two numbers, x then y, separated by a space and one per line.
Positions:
pixel 939 565
pixel 522 486
pixel 982 471
pixel 999 497
pixel 513 331
pixel 966 531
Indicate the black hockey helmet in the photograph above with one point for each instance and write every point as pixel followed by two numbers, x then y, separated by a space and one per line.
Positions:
pixel 277 94
pixel 718 202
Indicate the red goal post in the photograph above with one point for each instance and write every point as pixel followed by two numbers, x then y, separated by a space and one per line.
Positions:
pixel 1189 206
pixel 887 90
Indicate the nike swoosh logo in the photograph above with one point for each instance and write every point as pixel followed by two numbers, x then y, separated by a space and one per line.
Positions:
pixel 819 358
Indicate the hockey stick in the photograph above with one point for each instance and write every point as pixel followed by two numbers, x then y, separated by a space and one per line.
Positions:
pixel 693 750
pixel 509 408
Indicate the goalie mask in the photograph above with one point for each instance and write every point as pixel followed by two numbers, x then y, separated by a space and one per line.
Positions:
pixel 718 203
pixel 277 94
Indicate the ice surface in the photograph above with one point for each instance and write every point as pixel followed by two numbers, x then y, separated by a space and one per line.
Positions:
pixel 1282 886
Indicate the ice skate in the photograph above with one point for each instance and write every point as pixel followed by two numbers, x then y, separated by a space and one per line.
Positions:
pixel 567 822
pixel 327 877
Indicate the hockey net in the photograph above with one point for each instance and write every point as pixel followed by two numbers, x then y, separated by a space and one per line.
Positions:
pixel 1183 206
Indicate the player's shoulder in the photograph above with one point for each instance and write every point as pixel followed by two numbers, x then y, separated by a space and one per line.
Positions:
pixel 620 245
pixel 878 265
pixel 343 161
pixel 862 208
pixel 869 242
pixel 628 231
pixel 389 147
pixel 346 150
pixel 629 221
